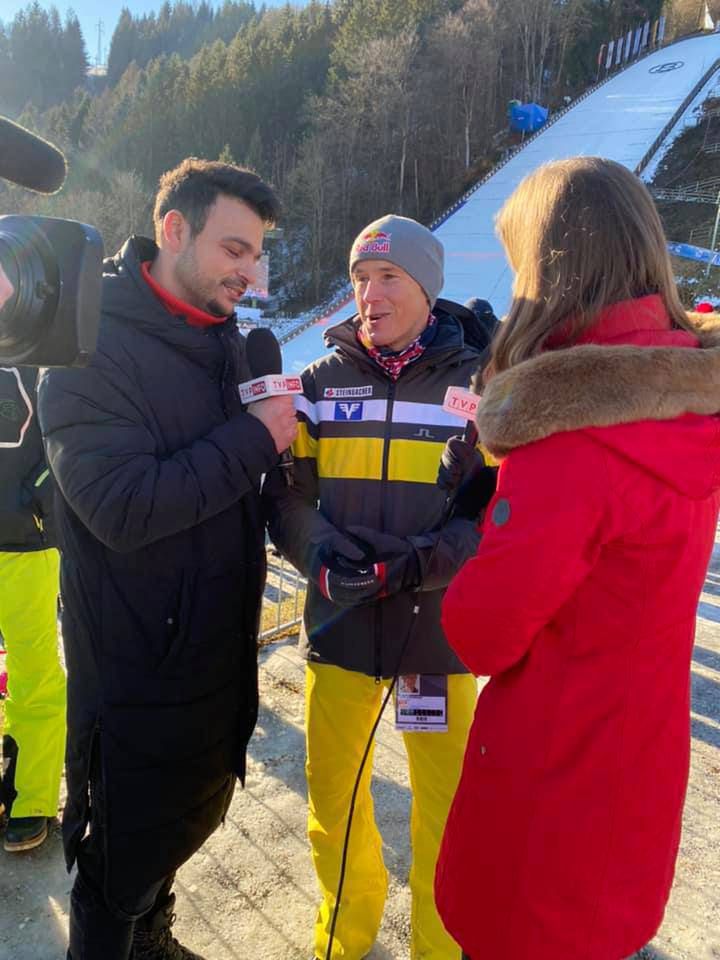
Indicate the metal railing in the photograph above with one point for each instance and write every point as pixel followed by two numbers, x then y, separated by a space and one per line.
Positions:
pixel 701 235
pixel 284 598
pixel 702 191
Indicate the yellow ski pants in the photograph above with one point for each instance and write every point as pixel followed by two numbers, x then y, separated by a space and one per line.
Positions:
pixel 34 731
pixel 340 709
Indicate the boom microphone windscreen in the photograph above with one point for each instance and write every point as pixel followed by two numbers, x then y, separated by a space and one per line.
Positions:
pixel 28 160
pixel 263 352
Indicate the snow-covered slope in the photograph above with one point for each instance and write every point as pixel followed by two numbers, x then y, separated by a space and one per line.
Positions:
pixel 619 120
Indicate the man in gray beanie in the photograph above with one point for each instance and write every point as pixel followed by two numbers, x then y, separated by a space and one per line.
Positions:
pixel 364 522
pixel 407 244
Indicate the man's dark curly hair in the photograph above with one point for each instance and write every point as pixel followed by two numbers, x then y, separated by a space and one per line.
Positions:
pixel 194 185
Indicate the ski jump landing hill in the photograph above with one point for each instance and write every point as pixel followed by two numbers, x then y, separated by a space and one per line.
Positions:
pixel 624 119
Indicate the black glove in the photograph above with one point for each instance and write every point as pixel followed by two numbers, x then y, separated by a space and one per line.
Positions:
pixel 390 565
pixel 458 458
pixel 476 492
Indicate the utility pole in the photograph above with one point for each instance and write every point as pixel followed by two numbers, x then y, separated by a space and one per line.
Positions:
pixel 714 237
pixel 98 57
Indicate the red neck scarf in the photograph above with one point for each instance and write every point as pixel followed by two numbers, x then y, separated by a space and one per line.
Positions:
pixel 393 363
pixel 178 308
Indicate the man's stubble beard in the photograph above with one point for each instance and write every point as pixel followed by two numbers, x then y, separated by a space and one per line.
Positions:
pixel 195 290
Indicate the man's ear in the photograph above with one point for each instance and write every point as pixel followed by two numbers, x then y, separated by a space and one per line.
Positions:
pixel 174 232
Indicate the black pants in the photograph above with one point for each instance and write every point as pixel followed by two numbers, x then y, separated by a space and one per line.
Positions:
pixel 99 931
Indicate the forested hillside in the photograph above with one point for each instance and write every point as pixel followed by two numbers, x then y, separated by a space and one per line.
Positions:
pixel 351 108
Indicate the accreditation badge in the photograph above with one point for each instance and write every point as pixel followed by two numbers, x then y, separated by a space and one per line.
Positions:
pixel 421 703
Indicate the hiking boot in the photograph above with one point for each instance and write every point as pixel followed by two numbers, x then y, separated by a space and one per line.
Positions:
pixel 25 833
pixel 153 940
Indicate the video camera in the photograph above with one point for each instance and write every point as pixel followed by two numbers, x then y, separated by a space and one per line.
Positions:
pixel 53 266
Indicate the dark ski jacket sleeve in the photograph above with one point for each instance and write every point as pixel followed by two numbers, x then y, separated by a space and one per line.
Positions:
pixel 442 552
pixel 295 524
pixel 107 464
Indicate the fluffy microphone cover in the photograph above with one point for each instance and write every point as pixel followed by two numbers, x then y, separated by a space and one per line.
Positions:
pixel 28 160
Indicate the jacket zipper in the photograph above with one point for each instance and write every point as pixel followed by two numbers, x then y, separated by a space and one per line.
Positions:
pixel 40 526
pixel 383 486
pixel 224 373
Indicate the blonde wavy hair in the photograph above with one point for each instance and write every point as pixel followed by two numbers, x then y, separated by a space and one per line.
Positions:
pixel 580 234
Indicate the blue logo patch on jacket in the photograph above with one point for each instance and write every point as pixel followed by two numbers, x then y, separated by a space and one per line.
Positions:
pixel 349 410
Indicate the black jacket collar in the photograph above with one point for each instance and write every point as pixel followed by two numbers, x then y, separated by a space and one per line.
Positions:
pixel 127 297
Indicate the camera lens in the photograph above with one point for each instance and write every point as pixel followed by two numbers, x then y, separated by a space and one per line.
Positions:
pixel 29 265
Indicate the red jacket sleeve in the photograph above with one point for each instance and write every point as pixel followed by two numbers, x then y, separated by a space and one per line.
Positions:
pixel 541 537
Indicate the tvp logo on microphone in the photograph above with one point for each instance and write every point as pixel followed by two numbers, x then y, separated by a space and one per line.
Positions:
pixel 461 402
pixel 274 385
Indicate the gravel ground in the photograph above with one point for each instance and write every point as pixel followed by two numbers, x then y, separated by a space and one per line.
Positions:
pixel 250 892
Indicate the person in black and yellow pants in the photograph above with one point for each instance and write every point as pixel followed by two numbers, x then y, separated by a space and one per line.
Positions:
pixel 34 734
pixel 372 431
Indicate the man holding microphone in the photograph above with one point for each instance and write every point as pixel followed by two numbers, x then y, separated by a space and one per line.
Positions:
pixel 364 522
pixel 159 466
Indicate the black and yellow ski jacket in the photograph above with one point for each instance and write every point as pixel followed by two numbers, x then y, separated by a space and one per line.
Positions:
pixel 367 453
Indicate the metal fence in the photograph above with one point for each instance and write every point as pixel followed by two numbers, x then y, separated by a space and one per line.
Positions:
pixel 702 191
pixel 701 235
pixel 284 598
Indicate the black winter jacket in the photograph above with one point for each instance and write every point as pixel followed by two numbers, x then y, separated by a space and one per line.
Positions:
pixel 26 487
pixel 367 453
pixel 162 573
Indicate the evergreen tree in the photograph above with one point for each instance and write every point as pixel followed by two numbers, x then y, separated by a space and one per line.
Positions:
pixel 73 57
pixel 123 47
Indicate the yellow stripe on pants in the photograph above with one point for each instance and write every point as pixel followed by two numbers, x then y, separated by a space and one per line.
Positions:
pixel 340 708
pixel 35 708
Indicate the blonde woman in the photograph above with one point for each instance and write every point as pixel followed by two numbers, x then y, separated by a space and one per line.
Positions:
pixel 581 601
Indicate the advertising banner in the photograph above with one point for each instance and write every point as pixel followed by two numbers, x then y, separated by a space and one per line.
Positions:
pixel 261 288
pixel 700 254
pixel 636 42
pixel 608 62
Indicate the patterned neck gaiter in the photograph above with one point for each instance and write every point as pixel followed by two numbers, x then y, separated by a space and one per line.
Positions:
pixel 393 363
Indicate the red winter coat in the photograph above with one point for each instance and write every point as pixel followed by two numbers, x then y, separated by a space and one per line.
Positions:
pixel 580 604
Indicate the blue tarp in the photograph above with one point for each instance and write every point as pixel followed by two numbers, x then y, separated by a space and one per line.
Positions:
pixel 528 117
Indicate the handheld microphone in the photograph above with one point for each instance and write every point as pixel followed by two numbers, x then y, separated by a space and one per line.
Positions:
pixel 28 160
pixel 464 404
pixel 265 361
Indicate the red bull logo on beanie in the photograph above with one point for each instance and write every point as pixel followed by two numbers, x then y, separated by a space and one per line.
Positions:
pixel 373 242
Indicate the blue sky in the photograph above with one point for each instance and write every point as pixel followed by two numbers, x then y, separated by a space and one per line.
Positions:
pixel 90 11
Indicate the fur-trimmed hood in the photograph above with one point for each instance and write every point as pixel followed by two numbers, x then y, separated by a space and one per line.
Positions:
pixel 600 385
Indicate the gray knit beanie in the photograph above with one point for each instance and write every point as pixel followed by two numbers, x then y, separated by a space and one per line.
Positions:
pixel 407 244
